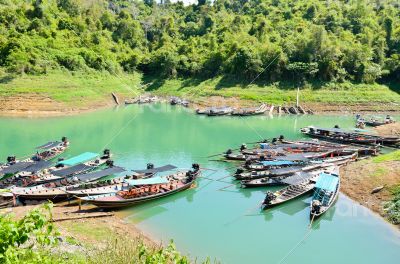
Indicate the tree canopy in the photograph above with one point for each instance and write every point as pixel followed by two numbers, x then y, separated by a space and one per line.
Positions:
pixel 269 39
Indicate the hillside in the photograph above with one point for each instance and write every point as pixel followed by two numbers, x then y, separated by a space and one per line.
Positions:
pixel 344 52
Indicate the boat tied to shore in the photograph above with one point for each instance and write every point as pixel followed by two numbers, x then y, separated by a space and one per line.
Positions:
pixel 326 191
pixel 145 193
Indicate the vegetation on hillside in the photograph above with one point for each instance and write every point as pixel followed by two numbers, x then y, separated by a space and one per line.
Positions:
pixel 302 41
pixel 34 239
pixel 392 207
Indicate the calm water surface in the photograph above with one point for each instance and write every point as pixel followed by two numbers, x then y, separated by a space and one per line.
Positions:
pixel 206 221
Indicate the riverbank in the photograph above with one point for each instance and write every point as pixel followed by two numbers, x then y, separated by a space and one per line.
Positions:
pixel 65 93
pixel 359 179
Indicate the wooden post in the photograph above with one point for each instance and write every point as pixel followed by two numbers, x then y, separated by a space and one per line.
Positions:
pixel 80 204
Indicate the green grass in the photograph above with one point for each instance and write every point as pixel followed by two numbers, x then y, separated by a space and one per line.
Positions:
pixel 76 89
pixel 277 93
pixel 82 88
pixel 392 156
pixel 88 230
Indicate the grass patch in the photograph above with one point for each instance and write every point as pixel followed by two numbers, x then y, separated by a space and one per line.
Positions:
pixel 88 230
pixel 392 208
pixel 79 88
pixel 379 172
pixel 392 156
pixel 72 88
pixel 277 93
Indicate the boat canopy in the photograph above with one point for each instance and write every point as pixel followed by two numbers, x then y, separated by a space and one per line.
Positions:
pixel 149 181
pixel 40 165
pixel 155 170
pixel 71 170
pixel 293 157
pixel 327 182
pixel 49 145
pixel 79 159
pixel 278 162
pixel 98 174
pixel 297 178
pixel 19 166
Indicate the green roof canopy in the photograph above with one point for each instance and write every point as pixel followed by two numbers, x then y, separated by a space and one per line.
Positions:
pixel 327 182
pixel 79 159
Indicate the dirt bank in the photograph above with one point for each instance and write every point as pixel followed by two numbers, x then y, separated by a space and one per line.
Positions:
pixel 34 105
pixel 360 178
pixel 86 230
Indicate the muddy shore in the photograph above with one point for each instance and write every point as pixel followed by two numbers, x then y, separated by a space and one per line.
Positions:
pixel 358 179
pixel 32 105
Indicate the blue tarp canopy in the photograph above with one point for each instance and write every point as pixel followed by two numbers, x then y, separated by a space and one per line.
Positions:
pixel 154 180
pixel 327 182
pixel 277 162
pixel 79 159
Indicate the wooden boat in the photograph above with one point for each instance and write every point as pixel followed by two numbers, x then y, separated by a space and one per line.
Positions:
pixel 262 182
pixel 150 171
pixel 34 175
pixel 44 152
pixel 250 111
pixel 326 191
pixel 142 194
pixel 120 184
pixel 279 179
pixel 338 135
pixel 297 187
pixel 249 175
pixel 56 190
pixel 220 111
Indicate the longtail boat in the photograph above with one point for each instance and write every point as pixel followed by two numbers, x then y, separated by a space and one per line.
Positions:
pixel 250 111
pixel 326 191
pixel 298 186
pixel 142 194
pixel 339 135
pixel 56 190
pixel 45 152
pixel 120 184
pixel 40 172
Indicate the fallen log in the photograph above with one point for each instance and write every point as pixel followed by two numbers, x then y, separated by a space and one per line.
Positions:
pixel 377 189
pixel 82 217
pixel 115 97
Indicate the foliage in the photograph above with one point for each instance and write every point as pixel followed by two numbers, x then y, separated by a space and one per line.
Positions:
pixel 24 240
pixel 392 208
pixel 392 156
pixel 302 41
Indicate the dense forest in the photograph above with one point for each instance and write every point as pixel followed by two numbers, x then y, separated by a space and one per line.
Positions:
pixel 271 40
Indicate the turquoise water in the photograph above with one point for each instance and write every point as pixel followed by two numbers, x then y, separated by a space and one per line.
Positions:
pixel 206 221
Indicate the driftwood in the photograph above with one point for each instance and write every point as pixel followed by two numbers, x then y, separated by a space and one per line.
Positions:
pixel 115 97
pixel 271 109
pixel 293 110
pixel 82 217
pixel 301 110
pixel 377 189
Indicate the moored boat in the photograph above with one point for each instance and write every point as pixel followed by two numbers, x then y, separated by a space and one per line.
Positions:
pixel 142 194
pixel 326 191
pixel 250 111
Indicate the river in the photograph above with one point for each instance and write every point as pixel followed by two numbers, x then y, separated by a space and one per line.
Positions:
pixel 226 224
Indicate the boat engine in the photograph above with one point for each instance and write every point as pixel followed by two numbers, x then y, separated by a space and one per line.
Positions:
pixel 228 152
pixel 316 207
pixel 196 167
pixel 336 126
pixel 11 159
pixel 274 140
pixel 64 140
pixel 247 163
pixel 150 166
pixel 110 163
pixel 243 147
pixel 262 158
pixel 269 197
pixel 239 171
pixel 281 137
pixel 106 154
